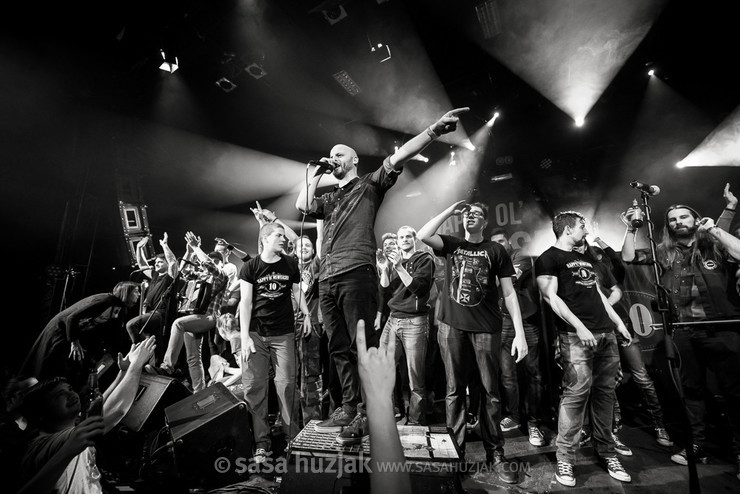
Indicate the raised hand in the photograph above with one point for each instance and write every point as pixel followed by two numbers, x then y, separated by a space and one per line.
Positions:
pixel 259 214
pixel 448 122
pixel 192 240
pixel 394 257
pixel 123 362
pixel 458 208
pixel 376 366
pixel 76 352
pixel 730 199
pixel 141 353
pixel 705 224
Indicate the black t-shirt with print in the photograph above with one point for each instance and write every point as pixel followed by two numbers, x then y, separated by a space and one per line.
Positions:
pixel 578 286
pixel 272 306
pixel 469 300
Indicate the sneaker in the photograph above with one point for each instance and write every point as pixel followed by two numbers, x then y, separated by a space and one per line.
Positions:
pixel 584 439
pixel 564 475
pixel 662 437
pixel 621 448
pixel 536 438
pixel 681 458
pixel 505 470
pixel 615 469
pixel 355 431
pixel 508 424
pixel 397 413
pixel 471 423
pixel 336 422
pixel 260 456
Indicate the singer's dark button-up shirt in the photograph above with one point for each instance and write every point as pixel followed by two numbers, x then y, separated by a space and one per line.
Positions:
pixel 349 220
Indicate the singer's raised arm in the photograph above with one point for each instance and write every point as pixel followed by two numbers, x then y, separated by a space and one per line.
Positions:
pixel 305 202
pixel 446 124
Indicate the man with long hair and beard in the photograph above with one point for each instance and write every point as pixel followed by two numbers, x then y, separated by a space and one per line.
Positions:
pixel 697 273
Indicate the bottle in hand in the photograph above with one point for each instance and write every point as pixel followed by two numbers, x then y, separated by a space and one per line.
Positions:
pixel 91 399
pixel 637 215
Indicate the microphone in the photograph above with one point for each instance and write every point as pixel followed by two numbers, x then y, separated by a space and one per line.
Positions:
pixel 322 166
pixel 651 190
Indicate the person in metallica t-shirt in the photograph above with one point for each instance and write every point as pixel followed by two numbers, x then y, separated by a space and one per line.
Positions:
pixel 268 334
pixel 470 320
pixel 588 346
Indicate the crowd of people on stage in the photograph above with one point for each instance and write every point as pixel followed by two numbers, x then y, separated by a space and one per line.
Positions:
pixel 354 339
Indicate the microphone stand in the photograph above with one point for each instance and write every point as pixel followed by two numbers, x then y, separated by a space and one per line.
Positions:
pixel 664 309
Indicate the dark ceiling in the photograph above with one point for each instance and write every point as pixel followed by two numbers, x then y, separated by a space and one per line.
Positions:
pixel 83 99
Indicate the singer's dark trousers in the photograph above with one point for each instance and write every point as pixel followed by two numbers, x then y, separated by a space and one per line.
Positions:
pixel 346 299
pixel 145 325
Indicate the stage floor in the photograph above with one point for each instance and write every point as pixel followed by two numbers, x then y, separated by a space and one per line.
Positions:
pixel 650 466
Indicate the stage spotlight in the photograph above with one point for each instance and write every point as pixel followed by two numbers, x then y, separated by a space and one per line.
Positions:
pixel 334 14
pixel 492 119
pixel 256 71
pixel 169 63
pixel 680 164
pixel 453 160
pixel 579 122
pixel 468 145
pixel 651 72
pixel 500 178
pixel 225 85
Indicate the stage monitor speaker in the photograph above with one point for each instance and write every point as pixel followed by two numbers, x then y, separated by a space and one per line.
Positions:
pixel 207 427
pixel 154 395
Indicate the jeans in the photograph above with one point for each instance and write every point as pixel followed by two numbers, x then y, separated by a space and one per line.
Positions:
pixel 346 299
pixel 701 349
pixel 587 371
pixel 455 347
pixel 309 375
pixel 632 361
pixel 189 330
pixel 531 366
pixel 280 350
pixel 412 334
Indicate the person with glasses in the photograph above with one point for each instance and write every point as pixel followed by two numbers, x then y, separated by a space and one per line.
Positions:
pixel 470 321
pixel 698 261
